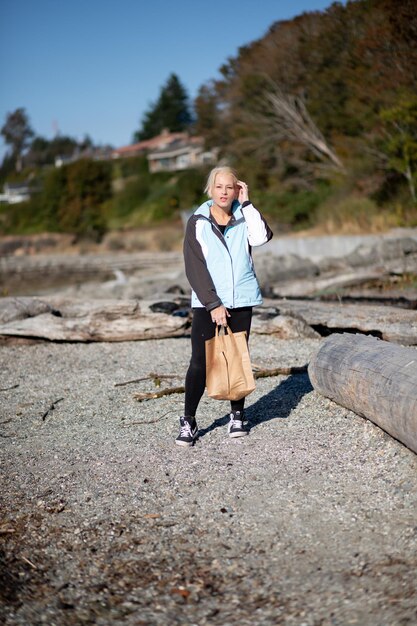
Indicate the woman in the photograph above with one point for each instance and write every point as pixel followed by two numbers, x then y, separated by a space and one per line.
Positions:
pixel 219 267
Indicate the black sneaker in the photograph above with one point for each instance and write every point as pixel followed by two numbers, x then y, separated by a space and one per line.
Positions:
pixel 236 427
pixel 188 432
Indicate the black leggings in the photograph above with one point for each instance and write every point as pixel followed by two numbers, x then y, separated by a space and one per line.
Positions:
pixel 204 328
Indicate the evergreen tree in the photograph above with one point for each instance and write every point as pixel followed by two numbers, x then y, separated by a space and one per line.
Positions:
pixel 44 152
pixel 171 111
pixel 17 133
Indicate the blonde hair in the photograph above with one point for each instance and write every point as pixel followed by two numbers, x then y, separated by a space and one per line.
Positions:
pixel 222 169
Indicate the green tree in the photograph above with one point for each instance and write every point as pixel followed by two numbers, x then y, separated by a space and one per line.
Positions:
pixel 73 196
pixel 88 185
pixel 7 168
pixel 17 134
pixel 171 111
pixel 401 140
pixel 44 152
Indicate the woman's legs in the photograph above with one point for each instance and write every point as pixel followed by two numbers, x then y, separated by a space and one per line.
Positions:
pixel 240 320
pixel 202 329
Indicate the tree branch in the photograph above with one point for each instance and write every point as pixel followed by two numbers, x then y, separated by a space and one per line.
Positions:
pixel 261 373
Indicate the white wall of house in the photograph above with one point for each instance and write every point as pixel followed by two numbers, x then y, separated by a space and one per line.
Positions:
pixel 13 194
pixel 180 159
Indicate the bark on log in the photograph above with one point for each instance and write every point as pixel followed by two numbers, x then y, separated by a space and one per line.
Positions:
pixel 373 378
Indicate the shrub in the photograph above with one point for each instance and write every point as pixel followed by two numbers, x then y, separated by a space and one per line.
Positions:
pixel 189 186
pixel 352 214
pixel 293 208
pixel 127 201
pixel 132 166
pixel 87 185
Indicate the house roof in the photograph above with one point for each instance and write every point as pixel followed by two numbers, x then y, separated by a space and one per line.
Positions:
pixel 177 147
pixel 160 141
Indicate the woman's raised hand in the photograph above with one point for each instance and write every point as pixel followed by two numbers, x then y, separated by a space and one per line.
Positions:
pixel 243 191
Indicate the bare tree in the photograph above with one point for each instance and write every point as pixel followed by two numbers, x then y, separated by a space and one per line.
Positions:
pixel 294 123
pixel 286 119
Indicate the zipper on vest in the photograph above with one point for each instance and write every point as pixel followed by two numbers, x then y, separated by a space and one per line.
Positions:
pixel 223 239
pixel 231 260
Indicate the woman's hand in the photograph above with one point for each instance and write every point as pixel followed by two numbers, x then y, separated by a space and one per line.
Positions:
pixel 243 194
pixel 219 315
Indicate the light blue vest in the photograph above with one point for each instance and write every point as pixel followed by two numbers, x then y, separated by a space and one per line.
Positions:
pixel 228 259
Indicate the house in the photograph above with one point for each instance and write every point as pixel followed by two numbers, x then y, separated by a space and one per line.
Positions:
pixel 103 153
pixel 65 159
pixel 155 143
pixel 180 154
pixel 170 152
pixel 13 193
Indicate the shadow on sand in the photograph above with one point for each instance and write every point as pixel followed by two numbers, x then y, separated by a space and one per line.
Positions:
pixel 277 404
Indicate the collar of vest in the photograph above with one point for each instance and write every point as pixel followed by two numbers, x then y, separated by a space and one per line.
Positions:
pixel 237 215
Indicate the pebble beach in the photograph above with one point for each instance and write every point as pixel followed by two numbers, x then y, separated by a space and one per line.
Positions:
pixel 310 520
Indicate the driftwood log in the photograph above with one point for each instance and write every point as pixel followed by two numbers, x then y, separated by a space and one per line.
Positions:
pixel 373 378
pixel 61 319
pixel 386 322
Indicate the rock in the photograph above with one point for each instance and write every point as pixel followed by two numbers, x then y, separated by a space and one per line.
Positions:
pixel 385 250
pixel 176 290
pixel 164 307
pixel 272 269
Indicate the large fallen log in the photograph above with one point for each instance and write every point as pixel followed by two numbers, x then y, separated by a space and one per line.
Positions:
pixel 386 322
pixel 373 378
pixel 316 285
pixel 60 319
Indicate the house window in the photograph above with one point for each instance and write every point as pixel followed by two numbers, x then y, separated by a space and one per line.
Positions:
pixel 183 160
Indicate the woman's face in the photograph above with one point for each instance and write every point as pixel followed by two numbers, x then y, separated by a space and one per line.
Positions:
pixel 224 191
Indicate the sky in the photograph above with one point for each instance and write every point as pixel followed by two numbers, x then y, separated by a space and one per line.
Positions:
pixel 94 67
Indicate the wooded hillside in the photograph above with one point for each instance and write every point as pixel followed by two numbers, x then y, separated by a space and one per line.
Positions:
pixel 321 109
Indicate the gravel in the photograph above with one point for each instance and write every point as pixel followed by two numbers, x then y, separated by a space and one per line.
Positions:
pixel 309 521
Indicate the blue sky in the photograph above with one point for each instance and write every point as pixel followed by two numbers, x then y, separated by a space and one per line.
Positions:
pixel 94 66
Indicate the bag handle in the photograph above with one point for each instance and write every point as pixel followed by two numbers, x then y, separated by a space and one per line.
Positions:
pixel 226 330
